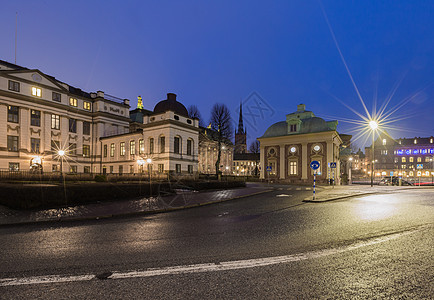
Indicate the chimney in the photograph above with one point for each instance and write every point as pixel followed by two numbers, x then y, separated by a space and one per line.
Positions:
pixel 301 107
pixel 100 94
pixel 171 96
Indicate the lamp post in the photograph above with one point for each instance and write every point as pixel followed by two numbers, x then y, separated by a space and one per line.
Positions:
pixel 61 153
pixel 149 161
pixel 373 125
pixel 349 170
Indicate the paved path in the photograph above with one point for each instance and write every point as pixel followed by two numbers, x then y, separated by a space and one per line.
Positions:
pixel 182 200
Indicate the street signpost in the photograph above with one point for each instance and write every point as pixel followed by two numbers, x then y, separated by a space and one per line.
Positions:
pixel 333 166
pixel 315 166
pixel 268 169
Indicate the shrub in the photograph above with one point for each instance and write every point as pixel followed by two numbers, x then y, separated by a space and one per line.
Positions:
pixel 100 178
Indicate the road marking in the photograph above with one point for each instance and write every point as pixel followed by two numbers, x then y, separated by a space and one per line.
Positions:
pixel 207 267
pixel 283 195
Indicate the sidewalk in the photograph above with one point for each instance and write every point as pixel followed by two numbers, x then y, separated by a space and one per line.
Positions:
pixel 330 193
pixel 183 199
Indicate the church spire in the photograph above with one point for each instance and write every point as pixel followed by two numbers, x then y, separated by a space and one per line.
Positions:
pixel 240 120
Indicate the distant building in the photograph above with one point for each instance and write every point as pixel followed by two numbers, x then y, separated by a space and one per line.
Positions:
pixel 161 141
pixel 410 158
pixel 208 153
pixel 40 115
pixel 288 147
pixel 246 164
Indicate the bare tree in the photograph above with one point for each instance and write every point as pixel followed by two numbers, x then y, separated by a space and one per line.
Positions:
pixel 255 148
pixel 193 112
pixel 222 124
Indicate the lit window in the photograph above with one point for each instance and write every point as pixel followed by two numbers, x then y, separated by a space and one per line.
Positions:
pixel 55 122
pixel 86 151
pixel 133 147
pixel 411 159
pixel 427 159
pixel 431 140
pixel 411 173
pixel 419 159
pixel 122 149
pixel 384 141
pixel 112 150
pixel 36 92
pixel 141 146
pixel 403 166
pixel 404 159
pixel 73 102
pixel 86 105
pixel 292 168
pixel 415 141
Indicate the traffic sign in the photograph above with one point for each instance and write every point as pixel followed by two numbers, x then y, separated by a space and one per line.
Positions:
pixel 420 166
pixel 269 168
pixel 332 165
pixel 314 165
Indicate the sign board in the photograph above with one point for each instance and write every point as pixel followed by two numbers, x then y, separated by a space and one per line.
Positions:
pixel 314 165
pixel 269 168
pixel 391 173
pixel 420 166
pixel 332 165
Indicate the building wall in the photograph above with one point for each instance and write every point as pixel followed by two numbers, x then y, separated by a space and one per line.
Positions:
pixel 103 115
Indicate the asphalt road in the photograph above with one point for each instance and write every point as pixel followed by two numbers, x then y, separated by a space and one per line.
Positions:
pixel 266 246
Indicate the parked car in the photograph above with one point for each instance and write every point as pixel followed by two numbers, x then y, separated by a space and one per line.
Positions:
pixel 393 180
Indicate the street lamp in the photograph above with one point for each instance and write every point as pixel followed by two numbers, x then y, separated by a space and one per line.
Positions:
pixel 373 125
pixel 149 161
pixel 349 169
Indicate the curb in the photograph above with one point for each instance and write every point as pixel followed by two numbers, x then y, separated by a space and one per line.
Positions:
pixel 339 198
pixel 136 213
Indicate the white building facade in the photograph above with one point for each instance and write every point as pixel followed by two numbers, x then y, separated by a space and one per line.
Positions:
pixel 40 115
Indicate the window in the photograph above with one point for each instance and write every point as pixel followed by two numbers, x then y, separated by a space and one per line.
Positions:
pixel 189 147
pixel 160 168
pixel 190 169
pixel 14 166
pixel 86 170
pixel 131 169
pixel 112 150
pixel 121 170
pixel 141 146
pixel 178 168
pixel 411 173
pixel 12 143
pixel 384 141
pixel 73 125
pixel 415 141
pixel 72 149
pixel 55 122
pixel 396 160
pixel 162 144
pixel 176 145
pixel 132 147
pixel 73 169
pixel 57 97
pixel 35 118
pixel 86 128
pixel 403 166
pixel 427 159
pixel 105 150
pixel 431 140
pixel 176 117
pixel 73 102
pixel 14 86
pixel 151 146
pixel 111 169
pixel 122 149
pixel 419 159
pixel 13 114
pixel 86 105
pixel 383 152
pixel 404 159
pixel 86 151
pixel 293 128
pixel 292 168
pixel 411 159
pixel 34 145
pixel 36 92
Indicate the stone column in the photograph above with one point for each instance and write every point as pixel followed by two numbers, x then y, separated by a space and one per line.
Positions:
pixel 304 161
pixel 262 162
pixel 282 161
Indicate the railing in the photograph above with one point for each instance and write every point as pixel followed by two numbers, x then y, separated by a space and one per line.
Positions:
pixel 113 98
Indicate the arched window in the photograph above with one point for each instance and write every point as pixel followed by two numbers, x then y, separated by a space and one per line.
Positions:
pixel 162 144
pixel 190 149
pixel 177 145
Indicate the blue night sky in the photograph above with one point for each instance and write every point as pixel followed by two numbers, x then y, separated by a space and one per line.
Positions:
pixel 272 55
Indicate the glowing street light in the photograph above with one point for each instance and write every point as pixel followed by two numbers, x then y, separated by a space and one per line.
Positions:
pixel 61 154
pixel 373 125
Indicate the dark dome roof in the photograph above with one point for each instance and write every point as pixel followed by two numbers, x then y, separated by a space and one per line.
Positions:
pixel 314 124
pixel 277 129
pixel 171 104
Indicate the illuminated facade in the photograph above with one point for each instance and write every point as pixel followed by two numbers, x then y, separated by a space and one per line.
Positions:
pixel 208 153
pixel 407 157
pixel 288 148
pixel 41 115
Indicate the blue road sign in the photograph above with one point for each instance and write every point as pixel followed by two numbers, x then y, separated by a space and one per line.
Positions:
pixel 332 165
pixel 420 166
pixel 269 168
pixel 314 165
